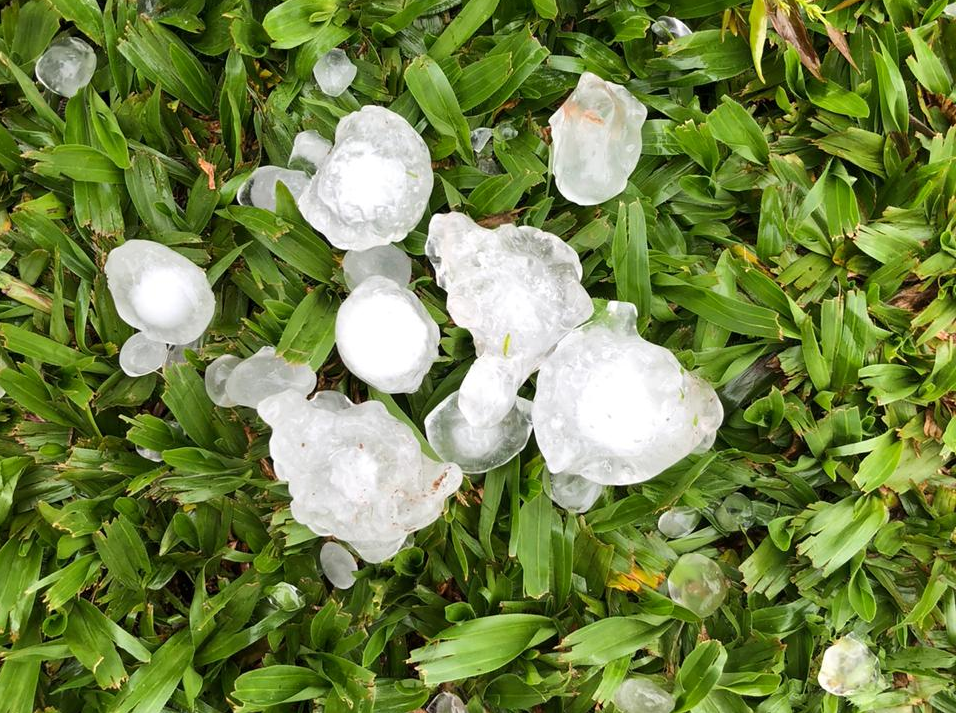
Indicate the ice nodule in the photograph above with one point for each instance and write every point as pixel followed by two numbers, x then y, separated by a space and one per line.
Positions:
pixel 678 522
pixel 159 292
pixel 259 190
pixel 668 28
pixel 574 493
pixel 334 72
pixel 216 376
pixel 385 336
pixel 385 260
pixel 66 67
pixel 696 583
pixel 642 695
pixel 265 374
pixel 736 512
pixel 338 565
pixel 848 667
pixel 309 151
pixel 141 355
pixel 446 702
pixel 596 140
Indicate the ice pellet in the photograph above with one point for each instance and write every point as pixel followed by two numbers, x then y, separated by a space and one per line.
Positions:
pixel 668 28
pixel 574 493
pixel 265 374
pixel 309 151
pixel 641 695
pixel 385 336
pixel 259 189
pixel 141 355
pixel 596 140
pixel 338 565
pixel 678 522
pixel 159 292
pixel 446 702
pixel 149 454
pixel 357 474
pixel 477 449
pixel 848 668
pixel 66 67
pixel 736 512
pixel 217 373
pixel 334 72
pixel 385 260
pixel 616 409
pixel 696 583
pixel 374 186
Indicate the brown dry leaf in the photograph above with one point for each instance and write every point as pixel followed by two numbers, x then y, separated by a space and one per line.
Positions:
pixel 839 41
pixel 210 172
pixel 789 25
pixel 635 580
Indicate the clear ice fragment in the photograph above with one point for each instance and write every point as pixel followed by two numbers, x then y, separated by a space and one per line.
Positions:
pixel 616 409
pixel 149 454
pixel 596 140
pixel 338 565
pixel 259 189
pixel 517 290
pixel 668 28
pixel 159 292
pixel 477 449
pixel 141 355
pixel 66 67
pixel 334 72
pixel 265 374
pixel 385 260
pixel 446 702
pixel 217 374
pixel 357 474
pixel 696 583
pixel 678 522
pixel 374 186
pixel 736 512
pixel 574 493
pixel 642 695
pixel 385 336
pixel 309 151
pixel 480 138
pixel 848 668
pixel 285 596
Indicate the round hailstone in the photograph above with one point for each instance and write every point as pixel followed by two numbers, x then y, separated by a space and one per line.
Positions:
pixel 696 583
pixel 385 336
pixel 259 189
pixel 848 668
pixel 736 512
pixel 574 493
pixel 264 374
pixel 678 522
pixel 334 72
pixel 309 151
pixel 446 702
pixel 159 292
pixel 330 401
pixel 149 454
pixel 66 67
pixel 473 448
pixel 338 565
pixel 641 695
pixel 385 260
pixel 140 355
pixel 217 373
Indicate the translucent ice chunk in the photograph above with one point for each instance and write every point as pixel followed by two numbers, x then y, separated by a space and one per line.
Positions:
pixel 334 72
pixel 374 186
pixel 357 474
pixel 696 583
pixel 678 522
pixel 480 138
pixel 446 702
pixel 149 454
pixel 736 512
pixel 263 375
pixel 950 10
pixel 615 408
pixel 667 28
pixel 309 151
pixel 140 355
pixel 285 596
pixel 259 190
pixel 66 67
pixel 641 695
pixel 217 374
pixel 159 292
pixel 517 290
pixel 596 137
pixel 477 449
pixel 330 401
pixel 338 565
pixel 848 668
pixel 385 336
pixel 574 493
pixel 385 260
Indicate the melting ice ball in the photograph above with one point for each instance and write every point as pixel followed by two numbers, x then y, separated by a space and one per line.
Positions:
pixel 265 374
pixel 574 493
pixel 446 702
pixel 615 408
pixel 386 260
pixel 309 151
pixel 141 355
pixel 517 290
pixel 159 292
pixel 338 565
pixel 596 137
pixel 477 449
pixel 667 28
pixel 696 583
pixel 66 67
pixel 334 72
pixel 259 190
pixel 374 186
pixel 217 374
pixel 678 522
pixel 736 512
pixel 357 474
pixel 641 695
pixel 848 667
pixel 385 336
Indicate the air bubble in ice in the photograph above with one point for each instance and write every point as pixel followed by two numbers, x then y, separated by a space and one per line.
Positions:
pixel 574 493
pixel 848 668
pixel 259 189
pixel 385 260
pixel 141 355
pixel 641 695
pixel 265 374
pixel 66 67
pixel 668 28
pixel 334 72
pixel 678 522
pixel 736 512
pixel 446 702
pixel 309 151
pixel 217 373
pixel 696 583
pixel 338 565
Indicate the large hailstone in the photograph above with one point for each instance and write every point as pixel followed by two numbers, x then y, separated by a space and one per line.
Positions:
pixel 356 473
pixel 373 187
pixel 517 290
pixel 159 292
pixel 596 140
pixel 617 409
pixel 66 67
pixel 848 668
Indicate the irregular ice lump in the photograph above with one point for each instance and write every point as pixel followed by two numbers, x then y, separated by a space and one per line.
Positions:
pixel 338 565
pixel 334 72
pixel 309 151
pixel 266 374
pixel 259 190
pixel 217 374
pixel 848 667
pixel 66 67
pixel 641 695
pixel 385 260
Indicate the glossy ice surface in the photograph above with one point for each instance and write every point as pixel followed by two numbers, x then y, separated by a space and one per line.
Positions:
pixel 66 67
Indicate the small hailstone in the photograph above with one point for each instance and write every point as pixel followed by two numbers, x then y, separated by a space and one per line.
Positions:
pixel 480 138
pixel 149 454
pixel 667 28
pixel 140 355
pixel 66 67
pixel 596 140
pixel 477 449
pixel 950 10
pixel 263 375
pixel 330 401
pixel 217 373
pixel 177 353
pixel 285 596
pixel 259 189
pixel 357 474
pixel 616 409
pixel 508 132
pixel 446 702
pixel 159 292
pixel 848 667
pixel 309 151
pixel 641 695
pixel 334 72
pixel 696 583
pixel 385 336
pixel 736 512
pixel 678 522
pixel 574 493
pixel 374 186
pixel 338 565
pixel 386 260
